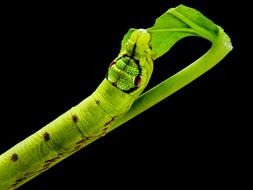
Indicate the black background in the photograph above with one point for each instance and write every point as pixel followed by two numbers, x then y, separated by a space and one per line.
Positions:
pixel 56 54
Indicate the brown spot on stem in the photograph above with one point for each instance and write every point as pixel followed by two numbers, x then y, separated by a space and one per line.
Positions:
pixel 74 118
pixel 14 157
pixel 46 136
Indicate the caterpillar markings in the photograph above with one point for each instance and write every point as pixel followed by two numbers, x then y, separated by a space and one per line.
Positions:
pixel 127 77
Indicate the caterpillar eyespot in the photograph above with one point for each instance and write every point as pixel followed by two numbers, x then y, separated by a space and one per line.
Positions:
pixel 137 80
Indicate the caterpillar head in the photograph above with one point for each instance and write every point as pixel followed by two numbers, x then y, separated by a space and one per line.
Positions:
pixel 132 69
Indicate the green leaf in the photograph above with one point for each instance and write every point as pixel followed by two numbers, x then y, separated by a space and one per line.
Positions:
pixel 175 24
pixel 194 16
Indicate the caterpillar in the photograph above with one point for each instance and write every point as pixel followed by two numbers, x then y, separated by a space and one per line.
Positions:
pixel 127 77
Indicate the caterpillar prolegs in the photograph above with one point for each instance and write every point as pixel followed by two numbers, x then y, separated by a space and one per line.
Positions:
pixel 127 77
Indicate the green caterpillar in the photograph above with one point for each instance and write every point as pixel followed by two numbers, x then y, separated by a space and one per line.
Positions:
pixel 118 98
pixel 127 77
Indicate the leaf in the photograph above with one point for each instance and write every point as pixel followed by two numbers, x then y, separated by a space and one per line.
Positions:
pixel 196 17
pixel 175 24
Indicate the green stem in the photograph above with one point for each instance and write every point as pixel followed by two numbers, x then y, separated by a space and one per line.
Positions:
pixel 221 46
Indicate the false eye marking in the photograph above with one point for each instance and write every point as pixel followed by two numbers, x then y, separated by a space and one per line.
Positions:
pixel 137 80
